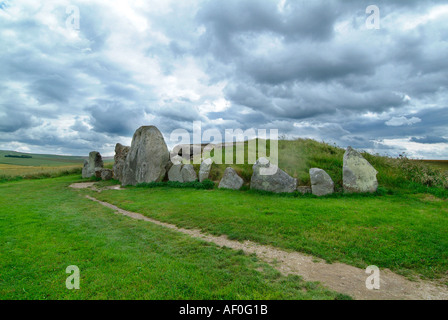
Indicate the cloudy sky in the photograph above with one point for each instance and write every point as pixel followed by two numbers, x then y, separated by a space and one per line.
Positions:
pixel 307 68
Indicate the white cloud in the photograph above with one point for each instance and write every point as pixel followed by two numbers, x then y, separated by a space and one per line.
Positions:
pixel 402 121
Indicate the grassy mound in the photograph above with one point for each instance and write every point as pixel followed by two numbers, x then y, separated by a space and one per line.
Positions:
pixel 296 157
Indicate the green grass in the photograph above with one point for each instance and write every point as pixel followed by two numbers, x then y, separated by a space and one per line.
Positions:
pixel 40 166
pixel 406 233
pixel 39 159
pixel 297 156
pixel 439 164
pixel 46 227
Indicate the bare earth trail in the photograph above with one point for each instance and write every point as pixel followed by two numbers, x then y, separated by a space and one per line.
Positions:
pixel 337 276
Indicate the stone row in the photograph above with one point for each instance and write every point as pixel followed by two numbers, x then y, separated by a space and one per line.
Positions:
pixel 148 160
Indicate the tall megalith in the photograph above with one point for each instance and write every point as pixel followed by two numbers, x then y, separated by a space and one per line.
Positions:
pixel 147 158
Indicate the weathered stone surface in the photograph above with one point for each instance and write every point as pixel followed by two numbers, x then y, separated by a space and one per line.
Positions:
pixel 98 171
pixel 176 160
pixel 304 189
pixel 358 174
pixel 321 182
pixel 188 173
pixel 85 169
pixel 175 173
pixel 95 161
pixel 204 171
pixel 147 158
pixel 269 177
pixel 107 174
pixel 121 152
pixel 231 180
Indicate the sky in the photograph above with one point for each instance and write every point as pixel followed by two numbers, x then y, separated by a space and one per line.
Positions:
pixel 77 76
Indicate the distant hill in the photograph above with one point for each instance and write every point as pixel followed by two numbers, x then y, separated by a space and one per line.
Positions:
pixel 46 160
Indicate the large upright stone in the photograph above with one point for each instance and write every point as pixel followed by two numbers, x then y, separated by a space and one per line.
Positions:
pixel 358 174
pixel 147 158
pixel 188 173
pixel 121 152
pixel 321 182
pixel 204 171
pixel 269 177
pixel 175 172
pixel 231 180
pixel 92 165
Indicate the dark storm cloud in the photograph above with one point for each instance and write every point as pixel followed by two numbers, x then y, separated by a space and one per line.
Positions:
pixel 13 120
pixel 116 118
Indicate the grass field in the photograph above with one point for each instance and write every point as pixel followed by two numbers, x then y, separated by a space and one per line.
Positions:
pixel 40 160
pixel 39 166
pixel 440 164
pixel 296 157
pixel 406 233
pixel 46 227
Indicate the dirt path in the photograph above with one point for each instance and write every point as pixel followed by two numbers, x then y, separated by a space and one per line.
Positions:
pixel 337 276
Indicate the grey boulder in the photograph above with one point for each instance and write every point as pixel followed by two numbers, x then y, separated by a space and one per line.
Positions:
pixel 204 171
pixel 321 182
pixel 175 173
pixel 231 180
pixel 90 166
pixel 147 159
pixel 188 173
pixel 269 177
pixel 106 174
pixel 359 176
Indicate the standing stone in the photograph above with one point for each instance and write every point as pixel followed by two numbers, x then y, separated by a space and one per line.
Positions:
pixel 175 172
pixel 358 174
pixel 188 173
pixel 106 174
pixel 231 180
pixel 85 170
pixel 147 158
pixel 121 153
pixel 94 163
pixel 269 177
pixel 321 182
pixel 204 171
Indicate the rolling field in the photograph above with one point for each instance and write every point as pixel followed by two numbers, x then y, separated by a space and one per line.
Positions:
pixel 440 164
pixel 40 165
pixel 40 160
pixel 9 170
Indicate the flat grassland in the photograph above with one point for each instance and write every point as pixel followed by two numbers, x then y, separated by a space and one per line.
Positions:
pixel 440 164
pixel 39 160
pixel 39 165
